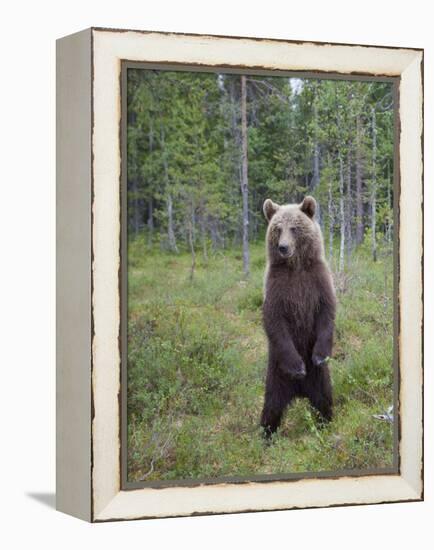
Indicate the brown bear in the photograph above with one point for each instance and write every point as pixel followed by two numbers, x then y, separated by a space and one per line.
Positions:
pixel 298 312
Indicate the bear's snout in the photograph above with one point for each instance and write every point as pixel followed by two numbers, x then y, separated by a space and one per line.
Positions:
pixel 285 251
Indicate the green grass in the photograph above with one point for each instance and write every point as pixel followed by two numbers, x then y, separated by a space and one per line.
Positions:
pixel 197 361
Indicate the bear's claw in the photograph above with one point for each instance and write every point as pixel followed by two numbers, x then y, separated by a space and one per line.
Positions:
pixel 319 361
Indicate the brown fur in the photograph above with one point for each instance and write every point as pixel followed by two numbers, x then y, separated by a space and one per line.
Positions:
pixel 298 312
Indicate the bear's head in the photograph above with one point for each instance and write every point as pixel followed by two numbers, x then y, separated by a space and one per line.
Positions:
pixel 293 235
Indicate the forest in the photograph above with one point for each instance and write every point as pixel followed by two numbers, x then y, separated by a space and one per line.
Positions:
pixel 204 150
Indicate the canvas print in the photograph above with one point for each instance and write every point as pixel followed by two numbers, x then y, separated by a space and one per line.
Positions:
pixel 259 256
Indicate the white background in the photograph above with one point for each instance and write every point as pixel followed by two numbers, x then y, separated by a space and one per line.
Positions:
pixel 27 178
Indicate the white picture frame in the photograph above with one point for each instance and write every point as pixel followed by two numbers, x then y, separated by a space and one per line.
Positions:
pixel 89 228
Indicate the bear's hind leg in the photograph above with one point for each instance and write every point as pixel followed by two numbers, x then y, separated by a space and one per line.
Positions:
pixel 270 419
pixel 318 389
pixel 277 397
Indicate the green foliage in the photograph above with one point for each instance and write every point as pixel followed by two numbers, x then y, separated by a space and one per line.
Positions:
pixel 184 149
pixel 196 366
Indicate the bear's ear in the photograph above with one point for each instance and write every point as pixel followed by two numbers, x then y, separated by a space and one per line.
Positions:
pixel 308 206
pixel 270 208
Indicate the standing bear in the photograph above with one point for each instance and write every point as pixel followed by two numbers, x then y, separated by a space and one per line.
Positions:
pixel 298 312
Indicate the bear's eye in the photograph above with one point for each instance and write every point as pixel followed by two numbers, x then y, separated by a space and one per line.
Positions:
pixel 293 230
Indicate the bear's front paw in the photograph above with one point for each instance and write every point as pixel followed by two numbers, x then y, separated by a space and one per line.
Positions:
pixel 319 360
pixel 298 371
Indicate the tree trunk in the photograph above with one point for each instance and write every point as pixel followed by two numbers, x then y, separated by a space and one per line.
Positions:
pixel 203 234
pixel 331 220
pixel 169 205
pixel 315 177
pixel 359 184
pixel 244 177
pixel 214 237
pixel 150 222
pixel 348 216
pixel 192 251
pixel 342 214
pixel 316 160
pixel 374 186
pixel 389 204
pixel 170 231
pixel 136 213
pixel 193 223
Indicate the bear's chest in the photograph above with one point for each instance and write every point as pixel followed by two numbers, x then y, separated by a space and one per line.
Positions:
pixel 299 298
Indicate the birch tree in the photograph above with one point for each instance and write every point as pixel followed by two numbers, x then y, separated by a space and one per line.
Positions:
pixel 374 186
pixel 244 177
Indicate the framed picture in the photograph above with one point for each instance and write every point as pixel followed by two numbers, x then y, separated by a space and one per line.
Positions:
pixel 239 274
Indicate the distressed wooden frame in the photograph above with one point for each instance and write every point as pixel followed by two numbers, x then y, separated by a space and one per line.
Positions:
pixel 89 157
